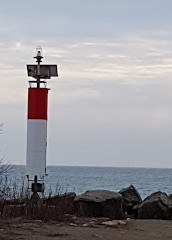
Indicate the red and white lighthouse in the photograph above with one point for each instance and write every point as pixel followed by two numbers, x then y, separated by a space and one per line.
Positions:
pixel 37 121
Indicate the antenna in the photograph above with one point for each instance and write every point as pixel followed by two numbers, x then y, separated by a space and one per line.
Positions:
pixel 39 71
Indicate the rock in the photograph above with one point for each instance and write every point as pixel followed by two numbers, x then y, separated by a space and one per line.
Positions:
pixel 113 223
pixel 69 218
pixel 91 224
pixel 134 212
pixel 64 203
pixel 94 220
pixel 2 201
pixel 131 197
pixel 155 206
pixel 60 207
pixel 122 223
pixel 99 203
pixel 73 225
pixel 52 213
pixel 170 205
pixel 96 235
pixel 85 225
pixel 170 197
pixel 13 211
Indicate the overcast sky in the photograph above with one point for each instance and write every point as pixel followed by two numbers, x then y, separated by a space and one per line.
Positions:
pixel 112 102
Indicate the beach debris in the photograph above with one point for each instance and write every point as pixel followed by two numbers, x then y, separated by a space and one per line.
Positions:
pixel 57 235
pixel 58 225
pixel 86 225
pixel 92 225
pixel 110 224
pixel 114 223
pixel 73 225
pixel 96 235
pixel 122 222
pixel 94 220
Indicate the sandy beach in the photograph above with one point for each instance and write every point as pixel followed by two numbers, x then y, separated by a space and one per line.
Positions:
pixel 133 230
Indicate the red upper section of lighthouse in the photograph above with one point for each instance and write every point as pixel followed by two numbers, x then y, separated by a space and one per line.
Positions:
pixel 37 103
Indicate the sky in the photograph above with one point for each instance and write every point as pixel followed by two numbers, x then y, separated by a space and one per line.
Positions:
pixel 112 102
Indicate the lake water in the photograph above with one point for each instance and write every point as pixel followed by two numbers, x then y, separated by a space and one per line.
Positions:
pixel 80 179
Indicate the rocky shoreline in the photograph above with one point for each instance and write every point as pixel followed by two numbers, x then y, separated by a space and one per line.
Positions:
pixel 122 205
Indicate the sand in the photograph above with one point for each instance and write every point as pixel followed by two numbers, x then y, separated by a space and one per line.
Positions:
pixel 133 230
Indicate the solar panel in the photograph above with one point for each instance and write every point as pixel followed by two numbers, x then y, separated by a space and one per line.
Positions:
pixel 46 71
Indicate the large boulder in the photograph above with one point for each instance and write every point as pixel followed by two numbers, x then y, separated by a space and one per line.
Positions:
pixel 131 197
pixel 170 206
pixel 63 203
pixel 99 203
pixel 155 206
pixel 13 211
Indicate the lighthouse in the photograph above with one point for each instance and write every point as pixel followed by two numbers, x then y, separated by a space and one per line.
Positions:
pixel 37 121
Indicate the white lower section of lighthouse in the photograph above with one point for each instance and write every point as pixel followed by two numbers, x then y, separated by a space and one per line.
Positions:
pixel 36 148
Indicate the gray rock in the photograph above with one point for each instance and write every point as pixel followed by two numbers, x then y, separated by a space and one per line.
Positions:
pixel 99 203
pixel 2 201
pixel 155 206
pixel 63 202
pixel 131 197
pixel 13 211
pixel 114 223
pixel 170 206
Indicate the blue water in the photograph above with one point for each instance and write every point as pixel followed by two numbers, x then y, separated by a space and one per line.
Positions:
pixel 80 179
